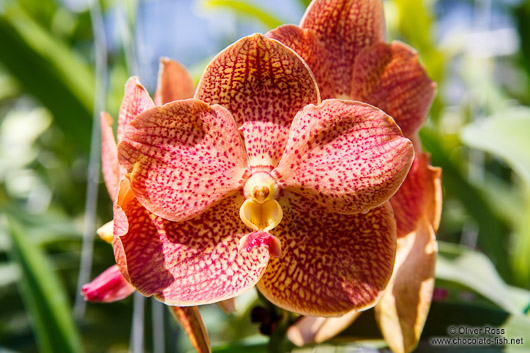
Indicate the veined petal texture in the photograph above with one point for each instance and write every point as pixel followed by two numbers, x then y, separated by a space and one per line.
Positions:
pixel 331 263
pixel 186 263
pixel 263 84
pixel 344 28
pixel 183 158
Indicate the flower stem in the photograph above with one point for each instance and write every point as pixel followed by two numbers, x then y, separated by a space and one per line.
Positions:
pixel 278 342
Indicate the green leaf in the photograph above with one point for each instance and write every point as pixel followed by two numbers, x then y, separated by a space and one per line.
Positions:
pixel 50 71
pixel 475 271
pixel 244 8
pixel 43 296
pixel 492 226
pixel 505 135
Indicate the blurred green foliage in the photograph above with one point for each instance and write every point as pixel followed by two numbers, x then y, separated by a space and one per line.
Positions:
pixel 47 83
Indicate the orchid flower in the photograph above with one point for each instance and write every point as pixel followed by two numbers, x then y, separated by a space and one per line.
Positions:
pixel 343 42
pixel 173 83
pixel 255 181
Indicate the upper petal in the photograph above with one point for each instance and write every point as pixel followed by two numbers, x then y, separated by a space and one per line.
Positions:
pixel 345 155
pixel 419 196
pixel 331 263
pixel 135 101
pixel 263 84
pixel 345 27
pixel 187 263
pixel 390 77
pixel 306 44
pixel 403 308
pixel 109 156
pixel 174 82
pixel 183 157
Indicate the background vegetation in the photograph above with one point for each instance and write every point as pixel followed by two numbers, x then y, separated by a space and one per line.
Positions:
pixel 61 62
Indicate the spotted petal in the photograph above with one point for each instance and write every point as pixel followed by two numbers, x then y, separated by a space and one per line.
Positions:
pixel 183 157
pixel 419 196
pixel 109 155
pixel 263 84
pixel 331 263
pixel 186 263
pixel 174 82
pixel 403 309
pixel 390 77
pixel 135 101
pixel 345 155
pixel 345 27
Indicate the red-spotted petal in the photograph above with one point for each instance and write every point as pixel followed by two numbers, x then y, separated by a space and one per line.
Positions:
pixel 345 155
pixel 345 27
pixel 419 195
pixel 306 44
pixel 109 155
pixel 263 84
pixel 390 77
pixel 135 101
pixel 190 320
pixel 331 263
pixel 108 287
pixel 403 308
pixel 186 263
pixel 183 157
pixel 174 82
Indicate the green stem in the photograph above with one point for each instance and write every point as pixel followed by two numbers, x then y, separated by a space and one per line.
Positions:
pixel 278 342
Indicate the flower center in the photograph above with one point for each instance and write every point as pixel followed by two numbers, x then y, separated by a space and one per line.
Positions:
pixel 261 211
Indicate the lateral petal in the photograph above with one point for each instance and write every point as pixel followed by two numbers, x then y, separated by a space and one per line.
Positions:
pixel 136 100
pixel 330 263
pixel 344 155
pixel 183 157
pixel 109 156
pixel 174 82
pixel 419 196
pixel 403 308
pixel 345 27
pixel 263 84
pixel 187 263
pixel 390 77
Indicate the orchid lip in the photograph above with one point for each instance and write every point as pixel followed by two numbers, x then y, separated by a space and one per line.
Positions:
pixel 261 211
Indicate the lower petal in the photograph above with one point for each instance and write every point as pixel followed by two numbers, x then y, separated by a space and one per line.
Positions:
pixel 191 322
pixel 192 262
pixel 330 263
pixel 311 329
pixel 403 309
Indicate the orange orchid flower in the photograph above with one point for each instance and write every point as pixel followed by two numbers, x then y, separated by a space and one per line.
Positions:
pixel 343 42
